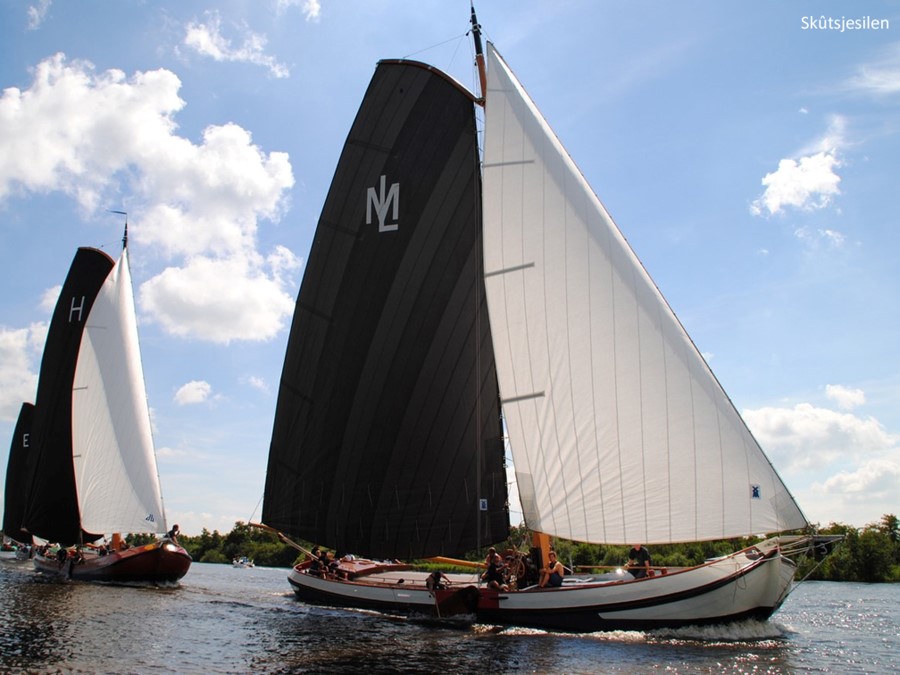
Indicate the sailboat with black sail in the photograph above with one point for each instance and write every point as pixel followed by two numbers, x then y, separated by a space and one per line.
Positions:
pixel 94 471
pixel 444 289
pixel 18 473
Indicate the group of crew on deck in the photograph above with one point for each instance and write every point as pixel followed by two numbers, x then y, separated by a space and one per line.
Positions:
pixel 498 578
pixel 498 574
pixel 326 565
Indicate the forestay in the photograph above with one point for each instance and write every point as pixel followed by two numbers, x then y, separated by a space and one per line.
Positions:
pixel 620 433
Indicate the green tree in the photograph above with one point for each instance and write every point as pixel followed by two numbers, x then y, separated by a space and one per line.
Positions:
pixel 263 546
pixel 874 552
pixel 214 556
pixel 890 525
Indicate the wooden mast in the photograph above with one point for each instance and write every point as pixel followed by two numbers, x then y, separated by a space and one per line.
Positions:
pixel 539 540
pixel 479 55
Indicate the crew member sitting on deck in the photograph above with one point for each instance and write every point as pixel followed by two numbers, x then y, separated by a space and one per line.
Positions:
pixel 494 575
pixel 638 561
pixel 552 575
pixel 315 566
pixel 435 581
pixel 325 563
pixel 492 556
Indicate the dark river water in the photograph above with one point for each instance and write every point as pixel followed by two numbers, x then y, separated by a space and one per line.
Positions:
pixel 220 619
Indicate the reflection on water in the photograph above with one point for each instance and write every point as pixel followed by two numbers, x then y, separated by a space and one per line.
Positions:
pixel 49 623
pixel 222 619
pixel 34 625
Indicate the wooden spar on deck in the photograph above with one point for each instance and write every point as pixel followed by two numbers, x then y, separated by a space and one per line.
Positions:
pixel 454 561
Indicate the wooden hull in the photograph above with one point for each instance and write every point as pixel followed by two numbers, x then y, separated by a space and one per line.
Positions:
pixel 740 586
pixel 161 562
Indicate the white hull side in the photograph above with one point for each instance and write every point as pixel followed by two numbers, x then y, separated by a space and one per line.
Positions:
pixel 729 589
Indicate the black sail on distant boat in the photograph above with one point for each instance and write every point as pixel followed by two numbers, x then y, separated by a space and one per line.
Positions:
pixel 387 430
pixel 19 469
pixel 53 512
pixel 443 287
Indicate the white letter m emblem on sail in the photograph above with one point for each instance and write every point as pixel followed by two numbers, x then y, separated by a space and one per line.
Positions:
pixel 381 202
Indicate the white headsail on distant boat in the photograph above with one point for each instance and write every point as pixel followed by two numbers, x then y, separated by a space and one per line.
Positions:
pixel 522 297
pixel 94 467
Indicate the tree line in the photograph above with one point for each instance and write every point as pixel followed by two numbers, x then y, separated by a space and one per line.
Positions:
pixel 868 554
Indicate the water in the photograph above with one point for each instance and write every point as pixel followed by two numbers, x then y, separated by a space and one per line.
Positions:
pixel 220 619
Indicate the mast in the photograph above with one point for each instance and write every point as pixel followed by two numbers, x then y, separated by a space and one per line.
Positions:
pixel 479 55
pixel 479 274
pixel 124 236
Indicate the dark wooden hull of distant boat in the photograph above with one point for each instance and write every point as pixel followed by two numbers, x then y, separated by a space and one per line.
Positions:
pixel 155 563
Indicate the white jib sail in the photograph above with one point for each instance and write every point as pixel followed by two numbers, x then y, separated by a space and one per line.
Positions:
pixel 115 463
pixel 619 431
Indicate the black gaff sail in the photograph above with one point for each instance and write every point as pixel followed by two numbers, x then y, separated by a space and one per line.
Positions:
pixel 389 368
pixel 19 469
pixel 52 511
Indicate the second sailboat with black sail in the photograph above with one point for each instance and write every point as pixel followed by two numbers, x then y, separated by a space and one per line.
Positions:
pixel 450 297
pixel 93 472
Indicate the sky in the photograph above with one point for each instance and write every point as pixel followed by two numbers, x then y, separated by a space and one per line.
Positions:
pixel 748 152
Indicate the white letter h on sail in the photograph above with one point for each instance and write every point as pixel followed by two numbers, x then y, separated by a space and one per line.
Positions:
pixel 75 309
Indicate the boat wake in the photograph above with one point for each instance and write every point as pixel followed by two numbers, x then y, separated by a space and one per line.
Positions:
pixel 744 631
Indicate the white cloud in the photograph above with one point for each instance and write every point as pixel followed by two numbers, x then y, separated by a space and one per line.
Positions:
pixel 813 237
pixel 841 467
pixel 195 391
pixel 166 452
pixel 846 399
pixel 808 181
pixel 199 204
pixel 878 477
pixel 37 13
pixel 859 496
pixel 209 197
pixel 17 381
pixel 110 123
pixel 207 39
pixel 258 383
pixel 806 436
pixel 833 237
pixel 283 263
pixel 880 78
pixel 311 8
pixel 50 297
pixel 202 300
